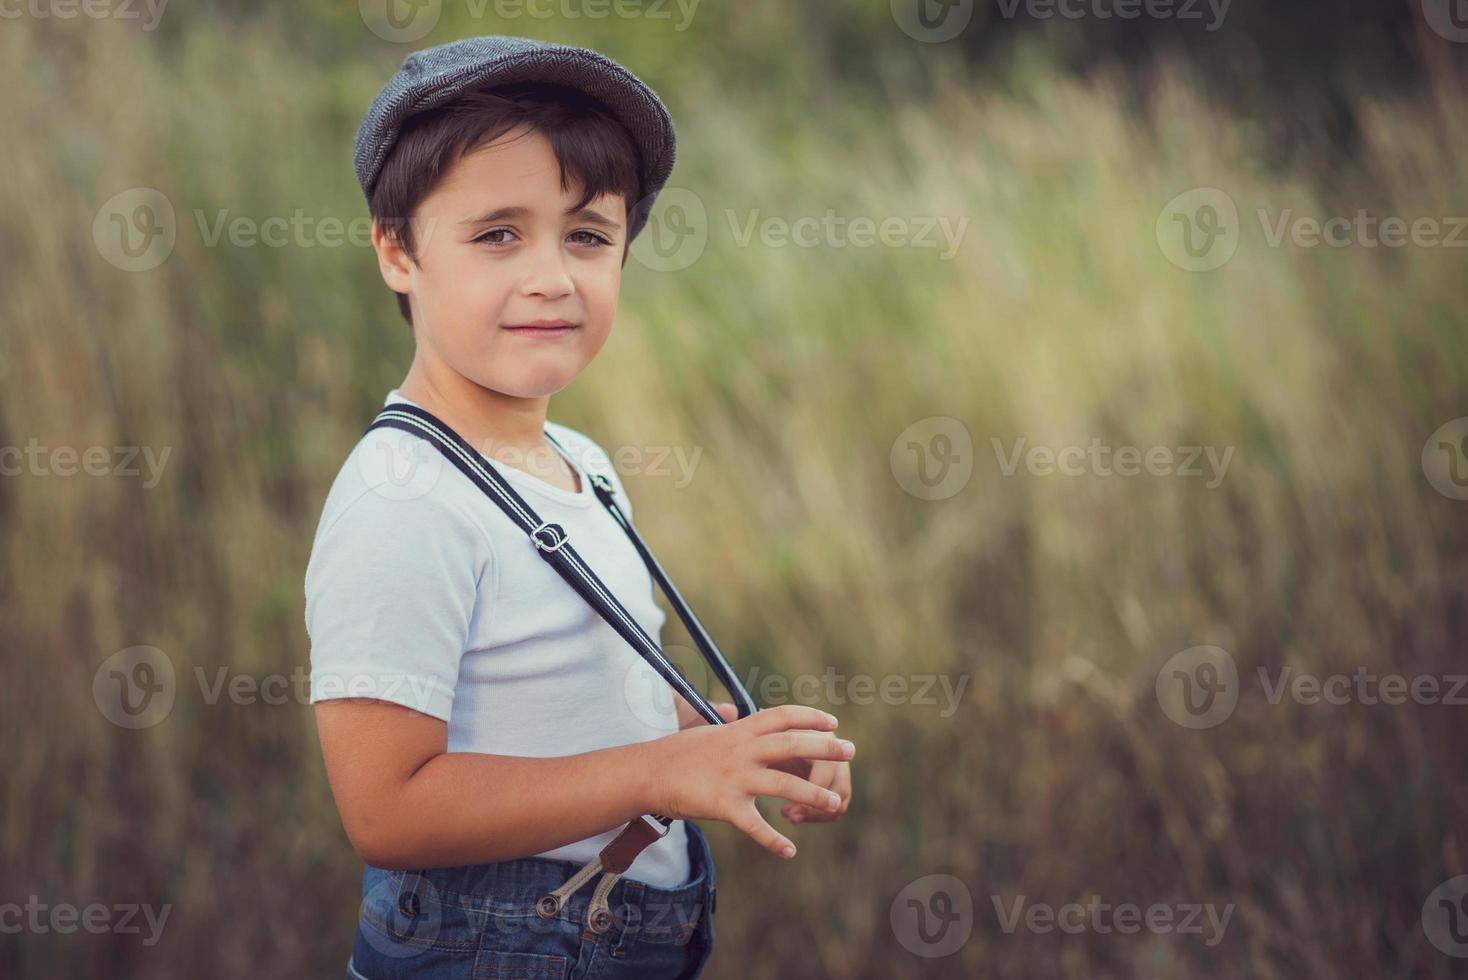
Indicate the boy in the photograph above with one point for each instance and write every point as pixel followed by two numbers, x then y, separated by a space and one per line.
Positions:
pixel 482 741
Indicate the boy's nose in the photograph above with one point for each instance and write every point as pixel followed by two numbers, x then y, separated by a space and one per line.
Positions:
pixel 547 274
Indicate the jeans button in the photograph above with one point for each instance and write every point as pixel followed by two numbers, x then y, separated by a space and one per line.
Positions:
pixel 408 905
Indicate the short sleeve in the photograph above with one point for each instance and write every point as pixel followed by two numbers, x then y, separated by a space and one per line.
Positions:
pixel 391 590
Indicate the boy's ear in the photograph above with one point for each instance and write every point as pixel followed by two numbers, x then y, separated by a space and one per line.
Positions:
pixel 392 259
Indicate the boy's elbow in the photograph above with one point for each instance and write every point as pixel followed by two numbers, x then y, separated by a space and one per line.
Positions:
pixel 371 851
pixel 378 843
pixel 387 855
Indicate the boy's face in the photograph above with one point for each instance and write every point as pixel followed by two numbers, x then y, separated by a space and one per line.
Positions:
pixel 484 267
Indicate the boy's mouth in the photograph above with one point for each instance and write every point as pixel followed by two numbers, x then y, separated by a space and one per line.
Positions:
pixel 543 328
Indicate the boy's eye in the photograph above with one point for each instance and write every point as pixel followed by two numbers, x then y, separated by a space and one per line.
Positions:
pixel 488 240
pixel 596 241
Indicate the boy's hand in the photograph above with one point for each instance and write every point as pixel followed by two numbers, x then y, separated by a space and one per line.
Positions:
pixel 716 771
pixel 835 776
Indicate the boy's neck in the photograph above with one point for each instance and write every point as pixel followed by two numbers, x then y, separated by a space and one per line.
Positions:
pixel 488 420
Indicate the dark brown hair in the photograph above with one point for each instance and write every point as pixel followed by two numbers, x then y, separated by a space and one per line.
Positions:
pixel 593 150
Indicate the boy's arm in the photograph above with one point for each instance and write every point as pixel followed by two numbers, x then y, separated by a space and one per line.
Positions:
pixel 407 803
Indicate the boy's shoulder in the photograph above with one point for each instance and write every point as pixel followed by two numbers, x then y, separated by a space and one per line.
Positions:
pixel 394 479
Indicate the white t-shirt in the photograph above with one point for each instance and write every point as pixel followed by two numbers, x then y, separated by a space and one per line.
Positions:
pixel 421 591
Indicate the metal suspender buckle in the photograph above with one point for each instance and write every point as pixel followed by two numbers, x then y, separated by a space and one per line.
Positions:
pixel 557 534
pixel 600 480
pixel 656 822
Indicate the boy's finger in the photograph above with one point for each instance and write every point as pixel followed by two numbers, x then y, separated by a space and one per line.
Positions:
pixel 749 820
pixel 843 787
pixel 786 716
pixel 779 746
pixel 796 790
pixel 800 813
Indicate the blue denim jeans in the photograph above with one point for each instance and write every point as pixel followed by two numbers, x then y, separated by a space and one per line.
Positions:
pixel 476 922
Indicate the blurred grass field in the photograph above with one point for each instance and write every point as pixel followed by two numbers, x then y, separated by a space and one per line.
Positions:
pixel 793 370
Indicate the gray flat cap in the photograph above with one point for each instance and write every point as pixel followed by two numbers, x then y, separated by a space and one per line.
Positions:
pixel 433 76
